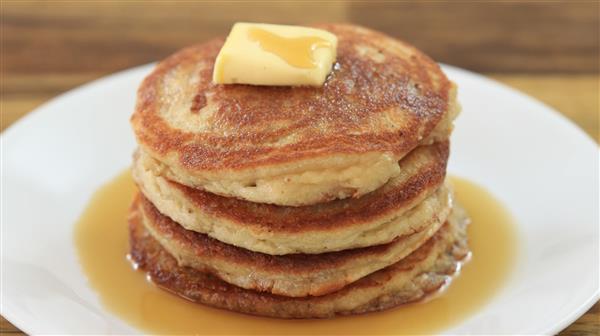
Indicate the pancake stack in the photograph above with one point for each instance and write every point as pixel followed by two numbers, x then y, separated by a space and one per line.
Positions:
pixel 298 202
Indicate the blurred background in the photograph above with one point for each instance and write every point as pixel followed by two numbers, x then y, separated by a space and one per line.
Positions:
pixel 549 50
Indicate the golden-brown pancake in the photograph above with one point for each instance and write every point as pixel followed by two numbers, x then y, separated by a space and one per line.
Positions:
pixel 288 275
pixel 422 272
pixel 402 206
pixel 295 145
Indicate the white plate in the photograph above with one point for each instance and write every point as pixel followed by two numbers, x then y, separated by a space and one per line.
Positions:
pixel 538 163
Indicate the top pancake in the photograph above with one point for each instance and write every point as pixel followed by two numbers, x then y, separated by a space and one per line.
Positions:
pixel 294 145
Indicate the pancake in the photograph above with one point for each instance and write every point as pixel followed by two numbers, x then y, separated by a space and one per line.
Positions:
pixel 402 206
pixel 295 146
pixel 294 275
pixel 420 274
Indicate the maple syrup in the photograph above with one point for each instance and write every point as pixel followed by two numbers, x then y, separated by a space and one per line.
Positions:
pixel 296 51
pixel 101 238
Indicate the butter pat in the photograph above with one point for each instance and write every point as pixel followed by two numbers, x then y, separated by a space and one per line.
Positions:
pixel 267 54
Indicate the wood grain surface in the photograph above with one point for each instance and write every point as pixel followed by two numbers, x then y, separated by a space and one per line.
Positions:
pixel 75 37
pixel 550 50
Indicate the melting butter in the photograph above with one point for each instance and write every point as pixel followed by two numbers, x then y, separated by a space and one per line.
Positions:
pixel 265 54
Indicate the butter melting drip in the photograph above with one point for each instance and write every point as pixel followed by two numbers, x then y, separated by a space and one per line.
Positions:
pixel 101 240
pixel 296 51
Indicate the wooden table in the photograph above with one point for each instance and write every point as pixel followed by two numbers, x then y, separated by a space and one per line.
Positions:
pixel 549 51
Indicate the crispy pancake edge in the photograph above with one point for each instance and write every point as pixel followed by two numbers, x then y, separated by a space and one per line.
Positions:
pixel 337 225
pixel 420 274
pixel 288 275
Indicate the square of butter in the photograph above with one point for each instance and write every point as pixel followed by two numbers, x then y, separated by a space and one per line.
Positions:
pixel 267 54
